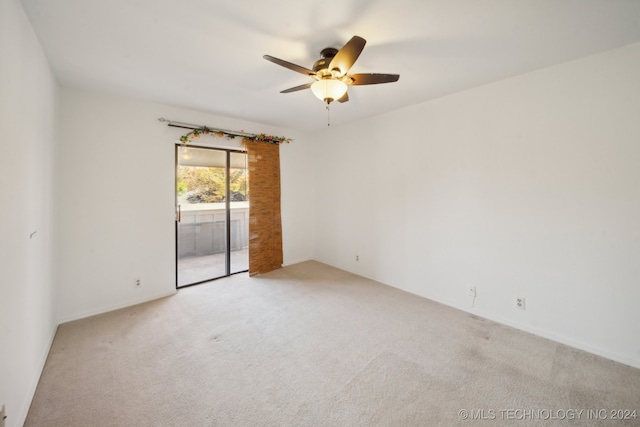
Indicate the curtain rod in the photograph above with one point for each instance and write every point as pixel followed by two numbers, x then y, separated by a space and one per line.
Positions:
pixel 197 130
pixel 183 125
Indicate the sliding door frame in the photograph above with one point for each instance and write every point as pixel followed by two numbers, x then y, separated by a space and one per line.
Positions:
pixel 228 152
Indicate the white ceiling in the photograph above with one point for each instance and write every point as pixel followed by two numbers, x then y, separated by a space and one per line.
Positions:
pixel 207 54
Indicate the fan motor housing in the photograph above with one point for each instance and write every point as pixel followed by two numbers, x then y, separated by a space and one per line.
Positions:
pixel 326 55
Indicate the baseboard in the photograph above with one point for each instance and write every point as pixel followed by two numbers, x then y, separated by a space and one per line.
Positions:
pixel 635 363
pixel 106 309
pixel 21 417
pixel 553 337
pixel 542 333
pixel 296 261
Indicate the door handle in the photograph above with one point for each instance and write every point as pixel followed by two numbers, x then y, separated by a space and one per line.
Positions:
pixel 179 215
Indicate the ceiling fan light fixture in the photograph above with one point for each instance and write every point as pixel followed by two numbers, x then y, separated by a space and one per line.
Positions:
pixel 329 89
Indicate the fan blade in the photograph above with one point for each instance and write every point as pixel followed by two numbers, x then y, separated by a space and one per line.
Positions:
pixel 346 57
pixel 289 65
pixel 373 78
pixel 297 88
pixel 344 97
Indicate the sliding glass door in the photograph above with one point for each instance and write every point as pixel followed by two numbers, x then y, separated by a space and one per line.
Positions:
pixel 212 218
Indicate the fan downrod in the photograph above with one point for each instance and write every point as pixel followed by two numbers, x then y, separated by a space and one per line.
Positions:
pixel 326 55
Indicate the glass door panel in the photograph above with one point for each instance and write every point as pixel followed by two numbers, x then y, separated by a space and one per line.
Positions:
pixel 212 221
pixel 239 212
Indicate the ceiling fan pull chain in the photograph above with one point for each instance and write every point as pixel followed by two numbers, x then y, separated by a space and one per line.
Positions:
pixel 328 115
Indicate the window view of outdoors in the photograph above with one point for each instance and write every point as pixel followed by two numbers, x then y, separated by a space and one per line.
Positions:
pixel 207 184
pixel 202 229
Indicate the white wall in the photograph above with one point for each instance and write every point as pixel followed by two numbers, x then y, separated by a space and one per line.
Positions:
pixel 28 106
pixel 116 199
pixel 527 187
pixel 297 198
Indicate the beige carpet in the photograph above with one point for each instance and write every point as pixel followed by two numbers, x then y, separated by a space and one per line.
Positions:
pixel 309 345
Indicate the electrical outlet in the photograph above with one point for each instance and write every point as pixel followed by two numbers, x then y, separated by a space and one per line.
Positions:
pixel 519 301
pixel 471 291
pixel 357 257
pixel 138 283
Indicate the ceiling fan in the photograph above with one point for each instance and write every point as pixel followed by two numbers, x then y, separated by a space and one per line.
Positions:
pixel 330 72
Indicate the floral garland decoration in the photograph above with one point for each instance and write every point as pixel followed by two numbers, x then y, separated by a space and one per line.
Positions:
pixel 271 139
